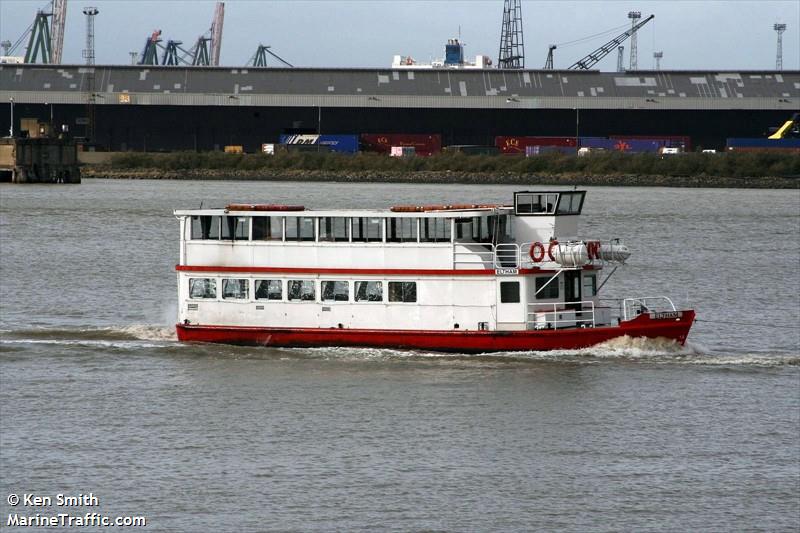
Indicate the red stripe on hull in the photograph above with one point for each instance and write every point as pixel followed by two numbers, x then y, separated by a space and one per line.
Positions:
pixel 447 341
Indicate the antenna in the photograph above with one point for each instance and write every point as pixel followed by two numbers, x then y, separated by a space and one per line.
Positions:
pixel 88 52
pixel 634 16
pixel 512 46
pixel 657 56
pixel 620 55
pixel 779 29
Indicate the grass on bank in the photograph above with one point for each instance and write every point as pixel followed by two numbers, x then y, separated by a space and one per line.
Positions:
pixel 734 165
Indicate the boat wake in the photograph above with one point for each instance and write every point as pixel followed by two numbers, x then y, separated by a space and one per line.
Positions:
pixel 120 337
pixel 621 349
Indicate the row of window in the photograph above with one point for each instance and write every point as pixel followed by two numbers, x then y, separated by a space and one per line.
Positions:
pixel 302 290
pixel 350 229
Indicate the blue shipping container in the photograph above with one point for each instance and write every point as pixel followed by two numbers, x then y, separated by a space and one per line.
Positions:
pixel 336 143
pixel 760 142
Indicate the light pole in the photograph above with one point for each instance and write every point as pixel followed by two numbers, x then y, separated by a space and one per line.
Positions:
pixel 577 127
pixel 11 128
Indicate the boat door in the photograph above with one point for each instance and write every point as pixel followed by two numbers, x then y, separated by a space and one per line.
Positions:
pixel 511 314
pixel 572 289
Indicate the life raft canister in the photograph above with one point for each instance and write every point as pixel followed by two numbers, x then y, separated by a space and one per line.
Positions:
pixel 553 244
pixel 537 252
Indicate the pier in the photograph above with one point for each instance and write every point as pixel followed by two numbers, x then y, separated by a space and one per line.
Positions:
pixel 39 160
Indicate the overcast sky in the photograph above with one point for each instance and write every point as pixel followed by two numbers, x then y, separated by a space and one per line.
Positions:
pixel 331 33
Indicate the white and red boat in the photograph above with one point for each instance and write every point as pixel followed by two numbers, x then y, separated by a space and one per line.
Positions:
pixel 459 278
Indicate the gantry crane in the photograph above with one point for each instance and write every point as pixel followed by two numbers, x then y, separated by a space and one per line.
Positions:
pixel 259 59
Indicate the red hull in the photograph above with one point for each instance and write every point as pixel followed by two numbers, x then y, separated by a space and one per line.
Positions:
pixel 447 341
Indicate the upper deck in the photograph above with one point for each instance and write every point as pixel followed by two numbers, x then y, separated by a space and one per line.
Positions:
pixel 437 238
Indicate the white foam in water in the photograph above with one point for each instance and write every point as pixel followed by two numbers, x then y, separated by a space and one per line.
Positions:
pixel 150 332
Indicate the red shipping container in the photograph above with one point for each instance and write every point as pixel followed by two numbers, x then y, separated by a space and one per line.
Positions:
pixel 423 144
pixel 517 144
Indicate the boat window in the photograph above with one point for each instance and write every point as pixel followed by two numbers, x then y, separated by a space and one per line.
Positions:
pixel 267 228
pixel 300 228
pixel 435 229
pixel 589 285
pixel 509 292
pixel 570 203
pixel 369 291
pixel 528 203
pixel 205 227
pixel 235 228
pixel 367 229
pixel 464 229
pixel 202 288
pixel 500 229
pixel 334 229
pixel 335 291
pixel 269 289
pixel 401 229
pixel 402 291
pixel 235 289
pixel 302 290
pixel 549 292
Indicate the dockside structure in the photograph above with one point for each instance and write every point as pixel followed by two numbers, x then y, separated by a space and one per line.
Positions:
pixel 203 108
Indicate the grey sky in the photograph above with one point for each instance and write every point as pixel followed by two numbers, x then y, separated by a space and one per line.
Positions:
pixel 332 33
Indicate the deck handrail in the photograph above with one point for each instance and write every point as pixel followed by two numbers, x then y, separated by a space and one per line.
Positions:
pixel 575 317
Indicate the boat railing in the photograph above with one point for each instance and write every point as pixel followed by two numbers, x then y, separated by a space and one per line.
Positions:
pixel 506 255
pixel 556 315
pixel 468 255
pixel 630 308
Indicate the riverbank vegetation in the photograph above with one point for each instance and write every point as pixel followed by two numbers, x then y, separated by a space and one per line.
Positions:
pixel 724 165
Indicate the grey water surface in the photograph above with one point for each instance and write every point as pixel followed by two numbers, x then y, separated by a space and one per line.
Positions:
pixel 96 395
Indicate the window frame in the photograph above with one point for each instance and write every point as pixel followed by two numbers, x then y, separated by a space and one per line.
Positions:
pixel 555 283
pixel 356 286
pixel 213 283
pixel 313 285
pixel 336 283
pixel 224 284
pixel 404 300
pixel 256 283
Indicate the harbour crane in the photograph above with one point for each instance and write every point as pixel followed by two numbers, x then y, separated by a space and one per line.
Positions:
pixel 59 10
pixel 590 60
pixel 216 33
pixel 259 59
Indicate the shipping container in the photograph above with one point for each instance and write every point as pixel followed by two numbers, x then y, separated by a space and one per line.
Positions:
pixel 760 144
pixel 619 145
pixel 335 143
pixel 472 149
pixel 535 150
pixel 517 144
pixel 668 141
pixel 423 144
pixel 402 151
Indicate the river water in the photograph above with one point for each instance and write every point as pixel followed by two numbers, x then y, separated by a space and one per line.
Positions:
pixel 96 395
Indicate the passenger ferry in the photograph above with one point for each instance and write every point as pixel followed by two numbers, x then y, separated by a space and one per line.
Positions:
pixel 458 278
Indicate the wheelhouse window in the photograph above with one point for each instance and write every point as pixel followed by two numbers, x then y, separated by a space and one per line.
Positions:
pixel 269 289
pixel 300 228
pixel 205 227
pixel 235 289
pixel 531 203
pixel 509 292
pixel 335 291
pixel 550 291
pixel 369 291
pixel 589 285
pixel 435 229
pixel 334 229
pixel 570 203
pixel 235 228
pixel 402 291
pixel 401 229
pixel 301 290
pixel 267 228
pixel 202 288
pixel 367 229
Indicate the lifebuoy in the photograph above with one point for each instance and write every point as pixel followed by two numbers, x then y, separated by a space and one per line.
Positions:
pixel 537 252
pixel 553 244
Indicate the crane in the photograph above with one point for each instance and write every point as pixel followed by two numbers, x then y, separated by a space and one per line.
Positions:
pixel 590 60
pixel 216 33
pixel 59 9
pixel 259 59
